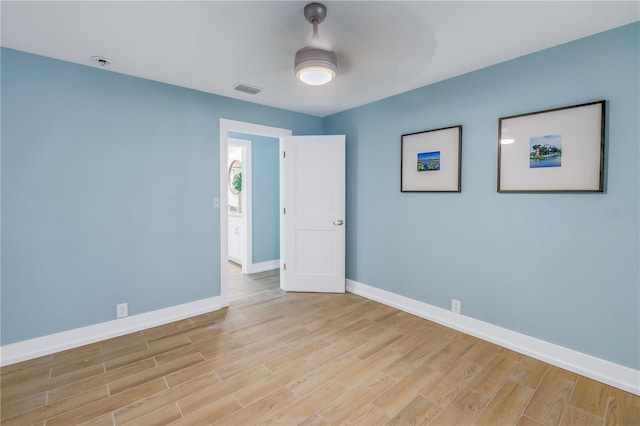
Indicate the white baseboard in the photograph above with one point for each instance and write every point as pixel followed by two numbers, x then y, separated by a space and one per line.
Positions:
pixel 264 266
pixel 616 375
pixel 33 348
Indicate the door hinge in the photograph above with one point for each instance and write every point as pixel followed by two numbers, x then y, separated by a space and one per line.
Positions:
pixel 284 154
pixel 284 266
pixel 284 210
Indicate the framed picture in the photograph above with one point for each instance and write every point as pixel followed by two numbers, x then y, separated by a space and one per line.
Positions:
pixel 557 150
pixel 430 160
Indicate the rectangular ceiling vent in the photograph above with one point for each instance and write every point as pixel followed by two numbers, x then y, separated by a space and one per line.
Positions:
pixel 247 89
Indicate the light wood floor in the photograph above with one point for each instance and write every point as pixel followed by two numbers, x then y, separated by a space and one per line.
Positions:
pixel 284 358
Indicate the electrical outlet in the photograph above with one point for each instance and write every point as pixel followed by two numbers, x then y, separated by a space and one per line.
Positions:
pixel 456 306
pixel 122 310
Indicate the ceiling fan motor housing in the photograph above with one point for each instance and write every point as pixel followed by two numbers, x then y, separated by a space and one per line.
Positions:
pixel 313 56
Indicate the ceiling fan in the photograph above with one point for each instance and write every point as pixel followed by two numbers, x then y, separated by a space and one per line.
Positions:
pixel 314 64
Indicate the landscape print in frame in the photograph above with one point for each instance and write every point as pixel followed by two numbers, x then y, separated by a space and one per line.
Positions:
pixel 555 150
pixel 430 160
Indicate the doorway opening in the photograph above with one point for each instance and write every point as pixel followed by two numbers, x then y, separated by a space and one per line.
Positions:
pixel 230 129
pixel 239 202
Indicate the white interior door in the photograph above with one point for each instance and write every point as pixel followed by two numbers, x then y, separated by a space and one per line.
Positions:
pixel 313 225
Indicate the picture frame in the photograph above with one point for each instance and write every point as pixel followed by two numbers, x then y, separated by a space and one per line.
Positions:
pixel 555 150
pixel 430 161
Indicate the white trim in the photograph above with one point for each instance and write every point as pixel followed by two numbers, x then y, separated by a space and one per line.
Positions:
pixel 616 375
pixel 33 348
pixel 269 265
pixel 247 217
pixel 283 223
pixel 227 126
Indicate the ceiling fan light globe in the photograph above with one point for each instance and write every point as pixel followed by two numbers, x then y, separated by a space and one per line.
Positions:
pixel 316 76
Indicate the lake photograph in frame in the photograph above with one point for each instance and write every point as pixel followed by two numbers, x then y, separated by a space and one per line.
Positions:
pixel 428 161
pixel 545 151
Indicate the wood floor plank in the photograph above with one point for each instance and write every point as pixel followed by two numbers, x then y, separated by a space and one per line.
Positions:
pixel 165 343
pixel 507 406
pixel 238 365
pixel 27 367
pixel 334 331
pixel 125 341
pixel 427 335
pixel 259 410
pixel 376 344
pixel 590 396
pixel 100 380
pixel 420 411
pixel 69 355
pixel 461 372
pixel 491 378
pixel 301 409
pixel 551 397
pixel 26 374
pixel 406 390
pixel 161 332
pixel 511 354
pixel 452 351
pixel 292 354
pixel 314 359
pixel 142 407
pixel 150 374
pixel 142 354
pixel 33 385
pixel 529 372
pixel 575 416
pixel 161 416
pixel 60 407
pixel 341 410
pixel 74 366
pixel 251 375
pixel 250 394
pixel 191 372
pixel 223 352
pixel 623 408
pixel 22 405
pixel 463 410
pixel 415 357
pixel 364 369
pixel 528 421
pixel 107 405
pixel 103 420
pixel 368 415
pixel 217 340
pixel 329 371
pixel 210 412
pixel 330 353
pixel 314 420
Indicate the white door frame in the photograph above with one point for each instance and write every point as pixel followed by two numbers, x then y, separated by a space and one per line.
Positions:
pixel 227 126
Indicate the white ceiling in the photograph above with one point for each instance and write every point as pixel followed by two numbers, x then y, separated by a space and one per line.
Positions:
pixel 384 48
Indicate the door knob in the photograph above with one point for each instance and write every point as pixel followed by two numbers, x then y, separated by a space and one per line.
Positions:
pixel 338 222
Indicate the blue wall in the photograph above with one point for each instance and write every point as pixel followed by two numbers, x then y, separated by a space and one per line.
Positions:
pixel 108 180
pixel 265 180
pixel 107 193
pixel 574 281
